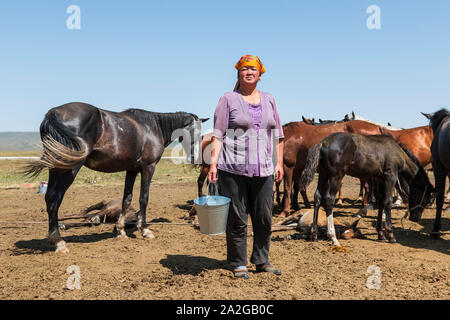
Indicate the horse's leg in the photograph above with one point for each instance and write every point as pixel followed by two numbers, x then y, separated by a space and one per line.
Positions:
pixel 321 184
pixel 201 179
pixel 58 183
pixel 440 177
pixel 288 171
pixel 295 205
pixel 363 211
pixel 277 192
pixel 361 189
pixel 328 203
pixel 305 199
pixel 126 201
pixel 146 178
pixel 339 201
pixel 387 204
pixel 98 206
pixel 379 194
pixel 306 203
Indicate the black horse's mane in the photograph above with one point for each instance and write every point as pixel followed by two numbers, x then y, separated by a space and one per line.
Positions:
pixel 165 121
pixel 437 117
pixel 408 153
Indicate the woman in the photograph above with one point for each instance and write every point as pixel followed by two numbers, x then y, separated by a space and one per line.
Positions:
pixel 246 123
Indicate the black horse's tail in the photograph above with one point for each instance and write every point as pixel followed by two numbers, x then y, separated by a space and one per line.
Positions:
pixel 312 162
pixel 62 149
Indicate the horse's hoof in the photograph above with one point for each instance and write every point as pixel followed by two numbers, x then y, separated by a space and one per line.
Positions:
pixel 148 234
pixel 61 247
pixel 122 235
pixel 392 240
pixel 381 237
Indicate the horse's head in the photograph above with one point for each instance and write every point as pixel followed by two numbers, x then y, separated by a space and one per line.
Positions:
pixel 308 121
pixel 420 196
pixel 189 135
pixel 436 118
pixel 351 231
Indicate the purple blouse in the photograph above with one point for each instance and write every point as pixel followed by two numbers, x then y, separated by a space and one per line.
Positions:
pixel 248 135
pixel 256 112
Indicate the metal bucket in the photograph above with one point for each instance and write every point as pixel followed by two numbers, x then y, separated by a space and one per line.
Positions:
pixel 43 187
pixel 212 212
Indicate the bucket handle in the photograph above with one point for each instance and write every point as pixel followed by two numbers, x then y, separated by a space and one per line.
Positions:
pixel 207 190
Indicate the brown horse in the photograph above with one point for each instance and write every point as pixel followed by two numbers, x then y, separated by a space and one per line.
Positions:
pixel 78 134
pixel 299 138
pixel 417 140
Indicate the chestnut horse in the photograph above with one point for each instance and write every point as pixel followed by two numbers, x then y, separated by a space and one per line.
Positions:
pixel 417 140
pixel 299 138
pixel 77 134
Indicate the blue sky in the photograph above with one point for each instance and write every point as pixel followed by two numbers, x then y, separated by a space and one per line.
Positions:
pixel 321 59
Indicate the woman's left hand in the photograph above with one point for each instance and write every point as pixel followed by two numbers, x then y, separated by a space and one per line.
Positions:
pixel 279 173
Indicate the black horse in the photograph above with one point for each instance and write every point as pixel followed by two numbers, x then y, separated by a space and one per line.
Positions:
pixel 440 151
pixel 77 134
pixel 376 157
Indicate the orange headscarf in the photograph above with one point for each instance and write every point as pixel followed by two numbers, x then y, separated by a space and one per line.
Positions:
pixel 249 60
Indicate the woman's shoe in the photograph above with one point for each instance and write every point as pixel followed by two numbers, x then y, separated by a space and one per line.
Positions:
pixel 267 268
pixel 241 273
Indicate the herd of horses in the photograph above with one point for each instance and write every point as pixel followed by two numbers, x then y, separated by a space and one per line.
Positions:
pixel 384 159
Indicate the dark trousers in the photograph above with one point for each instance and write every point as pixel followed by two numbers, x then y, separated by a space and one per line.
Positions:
pixel 248 195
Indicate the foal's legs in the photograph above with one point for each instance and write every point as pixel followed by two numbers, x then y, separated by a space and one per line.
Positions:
pixel 388 185
pixel 127 196
pixel 146 177
pixel 389 188
pixel 321 185
pixel 380 199
pixel 328 203
pixel 58 183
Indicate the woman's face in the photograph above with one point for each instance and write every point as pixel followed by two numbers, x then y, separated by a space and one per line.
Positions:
pixel 249 75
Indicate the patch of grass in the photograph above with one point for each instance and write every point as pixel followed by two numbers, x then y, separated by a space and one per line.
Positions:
pixel 166 172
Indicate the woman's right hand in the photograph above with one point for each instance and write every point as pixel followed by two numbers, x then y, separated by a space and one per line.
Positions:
pixel 212 174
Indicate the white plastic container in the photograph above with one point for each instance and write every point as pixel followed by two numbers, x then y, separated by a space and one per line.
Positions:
pixel 43 187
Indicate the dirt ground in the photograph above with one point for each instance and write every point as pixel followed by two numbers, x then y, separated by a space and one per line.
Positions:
pixel 182 263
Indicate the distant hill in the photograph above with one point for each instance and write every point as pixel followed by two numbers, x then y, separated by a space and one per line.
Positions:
pixel 20 141
pixel 28 141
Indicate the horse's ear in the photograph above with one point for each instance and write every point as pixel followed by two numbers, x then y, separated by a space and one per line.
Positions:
pixel 303 118
pixel 320 120
pixel 312 121
pixel 353 226
pixel 427 115
pixel 204 119
pixel 353 115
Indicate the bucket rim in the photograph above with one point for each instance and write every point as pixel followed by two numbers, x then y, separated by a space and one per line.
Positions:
pixel 197 200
